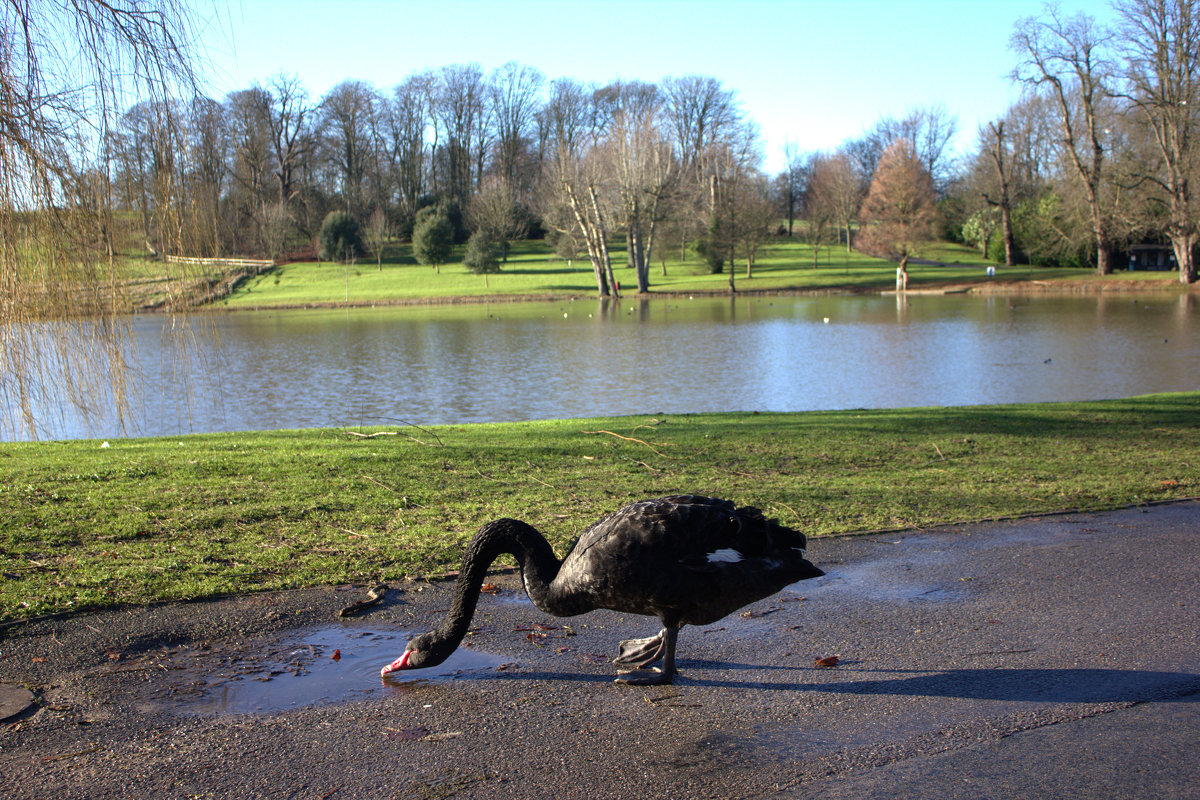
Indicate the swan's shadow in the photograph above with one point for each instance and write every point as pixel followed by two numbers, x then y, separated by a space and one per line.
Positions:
pixel 1071 685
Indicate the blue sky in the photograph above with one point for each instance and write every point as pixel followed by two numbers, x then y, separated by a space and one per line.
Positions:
pixel 812 73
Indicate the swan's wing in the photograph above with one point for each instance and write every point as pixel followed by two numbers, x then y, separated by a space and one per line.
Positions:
pixel 688 529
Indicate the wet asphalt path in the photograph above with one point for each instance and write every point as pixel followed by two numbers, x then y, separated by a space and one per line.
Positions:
pixel 1057 656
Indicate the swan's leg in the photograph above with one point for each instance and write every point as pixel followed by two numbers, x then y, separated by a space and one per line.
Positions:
pixel 656 676
pixel 668 656
pixel 641 652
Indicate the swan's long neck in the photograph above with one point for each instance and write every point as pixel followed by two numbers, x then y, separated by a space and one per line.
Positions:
pixel 534 556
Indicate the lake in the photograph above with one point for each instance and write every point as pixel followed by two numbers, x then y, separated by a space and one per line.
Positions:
pixel 521 361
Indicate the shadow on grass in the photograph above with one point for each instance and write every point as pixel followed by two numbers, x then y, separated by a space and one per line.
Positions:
pixel 1133 417
pixel 563 270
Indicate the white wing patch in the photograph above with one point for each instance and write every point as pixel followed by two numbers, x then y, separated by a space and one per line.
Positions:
pixel 725 555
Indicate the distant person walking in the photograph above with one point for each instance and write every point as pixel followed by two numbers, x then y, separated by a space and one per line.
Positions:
pixel 901 278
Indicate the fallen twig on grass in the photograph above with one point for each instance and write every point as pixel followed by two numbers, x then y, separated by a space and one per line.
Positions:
pixel 488 477
pixel 789 508
pixel 440 443
pixel 629 439
pixel 538 480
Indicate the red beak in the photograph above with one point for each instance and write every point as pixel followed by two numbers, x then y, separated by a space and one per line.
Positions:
pixel 399 663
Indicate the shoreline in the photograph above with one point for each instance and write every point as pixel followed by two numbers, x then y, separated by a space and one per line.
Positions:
pixel 1073 286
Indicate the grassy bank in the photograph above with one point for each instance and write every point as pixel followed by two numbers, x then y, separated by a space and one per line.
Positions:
pixel 532 270
pixel 83 525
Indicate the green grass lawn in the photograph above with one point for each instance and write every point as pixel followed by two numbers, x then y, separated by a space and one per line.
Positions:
pixel 87 526
pixel 532 270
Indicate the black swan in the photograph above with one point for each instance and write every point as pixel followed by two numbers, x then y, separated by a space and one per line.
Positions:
pixel 687 560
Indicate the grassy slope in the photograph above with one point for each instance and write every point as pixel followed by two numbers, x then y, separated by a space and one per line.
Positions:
pixel 87 526
pixel 531 270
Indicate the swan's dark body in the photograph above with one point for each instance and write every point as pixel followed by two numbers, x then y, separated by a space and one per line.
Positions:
pixel 688 560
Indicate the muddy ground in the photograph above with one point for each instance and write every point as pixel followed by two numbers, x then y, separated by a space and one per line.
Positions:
pixel 1058 655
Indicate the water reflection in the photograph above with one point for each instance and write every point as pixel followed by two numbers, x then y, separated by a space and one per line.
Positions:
pixel 492 362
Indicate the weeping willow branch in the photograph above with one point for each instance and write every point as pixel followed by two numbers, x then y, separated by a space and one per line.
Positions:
pixel 68 69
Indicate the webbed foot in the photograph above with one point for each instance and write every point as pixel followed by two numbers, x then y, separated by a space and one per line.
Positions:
pixel 647 677
pixel 640 652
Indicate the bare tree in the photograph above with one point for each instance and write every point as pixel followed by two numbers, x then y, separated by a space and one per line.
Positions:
pixel 731 165
pixel 716 149
pixel 929 130
pixel 999 150
pixel 754 216
pixel 1032 132
pixel 700 113
pixel 576 175
pixel 1162 59
pixel 408 118
pixel 346 112
pixel 792 182
pixel 863 156
pixel 289 115
pixel 494 209
pixel 248 116
pixel 834 191
pixel 460 112
pixel 204 176
pixel 1068 58
pixel 515 96
pixel 642 168
pixel 703 118
pixel 146 138
pixel 817 207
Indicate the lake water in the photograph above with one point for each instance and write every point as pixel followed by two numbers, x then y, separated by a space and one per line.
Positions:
pixel 499 362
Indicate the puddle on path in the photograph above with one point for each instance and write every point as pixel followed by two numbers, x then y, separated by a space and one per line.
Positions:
pixel 302 670
pixel 884 581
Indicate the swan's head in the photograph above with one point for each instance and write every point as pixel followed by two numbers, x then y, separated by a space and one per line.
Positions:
pixel 426 650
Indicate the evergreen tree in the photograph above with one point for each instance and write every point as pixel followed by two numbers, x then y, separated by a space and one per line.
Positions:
pixel 341 237
pixel 433 237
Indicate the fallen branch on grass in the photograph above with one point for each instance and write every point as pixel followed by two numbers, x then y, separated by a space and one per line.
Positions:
pixel 440 443
pixel 629 439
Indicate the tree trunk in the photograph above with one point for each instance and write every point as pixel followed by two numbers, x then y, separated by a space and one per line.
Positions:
pixel 1005 202
pixel 732 288
pixel 1182 230
pixel 648 253
pixel 601 234
pixel 637 250
pixel 1103 256
pixel 1006 226
pixel 595 256
pixel 1184 247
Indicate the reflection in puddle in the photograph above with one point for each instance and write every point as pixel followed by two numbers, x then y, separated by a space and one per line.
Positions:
pixel 322 665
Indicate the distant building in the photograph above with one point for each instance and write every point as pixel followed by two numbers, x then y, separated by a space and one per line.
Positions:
pixel 1151 257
